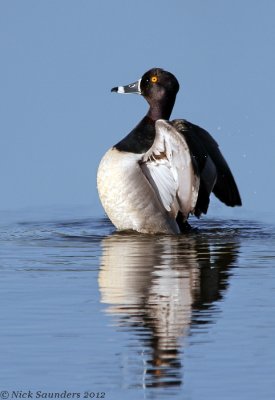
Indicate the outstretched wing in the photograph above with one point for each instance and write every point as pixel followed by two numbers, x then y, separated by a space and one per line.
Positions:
pixel 169 169
pixel 205 150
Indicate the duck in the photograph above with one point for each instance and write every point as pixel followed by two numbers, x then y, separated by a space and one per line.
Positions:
pixel 164 170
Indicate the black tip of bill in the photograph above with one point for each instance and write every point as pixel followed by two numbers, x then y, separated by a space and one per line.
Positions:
pixel 114 89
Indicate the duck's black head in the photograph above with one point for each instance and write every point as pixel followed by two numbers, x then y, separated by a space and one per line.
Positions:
pixel 159 88
pixel 157 84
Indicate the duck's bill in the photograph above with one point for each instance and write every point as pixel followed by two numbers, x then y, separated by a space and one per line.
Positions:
pixel 132 88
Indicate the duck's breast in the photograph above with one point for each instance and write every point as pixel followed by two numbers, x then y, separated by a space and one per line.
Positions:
pixel 127 197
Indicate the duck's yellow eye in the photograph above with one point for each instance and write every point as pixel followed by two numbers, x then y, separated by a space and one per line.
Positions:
pixel 154 79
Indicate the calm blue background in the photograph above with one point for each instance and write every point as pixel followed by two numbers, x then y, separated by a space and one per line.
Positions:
pixel 59 60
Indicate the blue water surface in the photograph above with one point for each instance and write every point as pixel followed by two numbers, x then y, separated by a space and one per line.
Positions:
pixel 90 313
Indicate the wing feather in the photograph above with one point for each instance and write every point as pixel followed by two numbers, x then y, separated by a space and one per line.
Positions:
pixel 214 171
pixel 169 169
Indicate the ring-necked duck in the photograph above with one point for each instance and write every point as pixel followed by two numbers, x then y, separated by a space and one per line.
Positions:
pixel 163 170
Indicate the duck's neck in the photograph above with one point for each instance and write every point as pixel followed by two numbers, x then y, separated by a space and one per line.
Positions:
pixel 161 109
pixel 142 137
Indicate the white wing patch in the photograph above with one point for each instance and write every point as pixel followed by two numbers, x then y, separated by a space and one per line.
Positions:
pixel 168 168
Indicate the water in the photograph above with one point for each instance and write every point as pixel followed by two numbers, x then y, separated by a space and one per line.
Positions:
pixel 88 311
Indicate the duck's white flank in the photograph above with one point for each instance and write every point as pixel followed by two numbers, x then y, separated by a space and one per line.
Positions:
pixel 144 192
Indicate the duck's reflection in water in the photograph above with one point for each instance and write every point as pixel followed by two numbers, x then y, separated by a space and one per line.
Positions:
pixel 161 287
